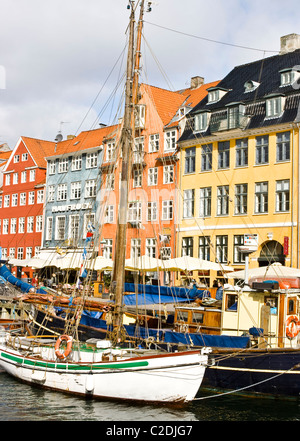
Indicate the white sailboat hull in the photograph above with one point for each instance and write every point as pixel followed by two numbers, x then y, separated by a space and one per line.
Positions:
pixel 163 378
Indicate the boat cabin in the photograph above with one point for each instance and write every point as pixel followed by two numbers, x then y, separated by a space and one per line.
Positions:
pixel 269 314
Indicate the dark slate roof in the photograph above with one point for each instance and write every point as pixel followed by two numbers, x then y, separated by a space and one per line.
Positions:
pixel 266 72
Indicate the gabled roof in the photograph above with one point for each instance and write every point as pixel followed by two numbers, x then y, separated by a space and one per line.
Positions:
pixel 266 74
pixel 167 102
pixel 85 140
pixel 39 149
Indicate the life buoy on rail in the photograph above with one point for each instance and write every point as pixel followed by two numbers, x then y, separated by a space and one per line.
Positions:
pixel 292 326
pixel 60 339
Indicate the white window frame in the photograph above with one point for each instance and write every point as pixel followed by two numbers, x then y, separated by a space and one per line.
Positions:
pixel 30 224
pixel 62 165
pixel 154 143
pixel 76 163
pixel 75 190
pixel 92 160
pixel 170 138
pixel 60 227
pixel 167 209
pixel 49 228
pixel 90 188
pixel 62 192
pixel 168 174
pixel 21 225
pixel 39 223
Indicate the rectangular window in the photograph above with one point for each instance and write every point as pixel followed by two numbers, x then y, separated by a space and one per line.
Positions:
pixel 204 247
pixel 20 253
pixel 32 175
pixel 107 248
pixel 31 198
pixel 168 174
pixel 223 200
pixel 170 140
pixel 74 221
pixel 40 196
pixel 60 226
pixel 52 167
pixel 206 157
pixel 15 178
pixel 91 160
pixel 187 246
pixel 22 198
pixel 205 202
pixel 109 214
pixel 238 241
pixel 152 176
pixel 21 225
pixel 262 150
pixel 154 143
pixel 223 154
pixel 12 253
pixel 188 203
pixel 222 248
pixel 51 193
pixel 261 197
pixel 62 165
pixel 90 188
pixel 241 152
pixel 39 224
pixel 152 211
pixel 14 200
pixel 137 177
pixel 6 201
pixel 75 190
pixel 5 226
pixel 13 226
pixel 201 122
pixel 89 223
pixel 110 151
pixel 30 222
pixel 283 146
pixel 62 192
pixel 167 210
pixel 151 247
pixel 190 160
pixel 23 177
pixel 274 107
pixel 7 179
pixel 24 156
pixel 16 158
pixel 28 252
pixel 135 212
pixel 76 163
pixel 241 199
pixel 282 195
pixel 49 228
pixel 135 248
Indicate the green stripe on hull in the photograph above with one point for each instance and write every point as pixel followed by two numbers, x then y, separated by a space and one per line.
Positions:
pixel 69 367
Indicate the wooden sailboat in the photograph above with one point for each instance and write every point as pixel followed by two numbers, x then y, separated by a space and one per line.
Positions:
pixel 108 369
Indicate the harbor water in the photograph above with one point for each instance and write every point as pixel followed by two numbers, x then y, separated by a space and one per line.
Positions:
pixel 21 402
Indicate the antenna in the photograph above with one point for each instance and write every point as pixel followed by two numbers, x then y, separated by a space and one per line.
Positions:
pixel 59 136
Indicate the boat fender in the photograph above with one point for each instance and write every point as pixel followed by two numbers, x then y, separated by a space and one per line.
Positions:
pixel 292 326
pixel 60 339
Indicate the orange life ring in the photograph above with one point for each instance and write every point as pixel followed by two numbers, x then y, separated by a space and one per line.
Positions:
pixel 61 338
pixel 292 326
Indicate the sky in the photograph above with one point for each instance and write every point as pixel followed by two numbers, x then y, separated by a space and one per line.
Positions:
pixel 62 62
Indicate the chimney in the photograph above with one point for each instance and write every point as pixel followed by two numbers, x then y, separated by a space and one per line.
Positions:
pixel 289 43
pixel 196 82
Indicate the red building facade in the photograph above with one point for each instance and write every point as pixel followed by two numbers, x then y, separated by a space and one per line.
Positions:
pixel 22 201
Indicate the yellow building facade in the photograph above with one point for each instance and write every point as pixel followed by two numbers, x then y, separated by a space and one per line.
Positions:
pixel 239 168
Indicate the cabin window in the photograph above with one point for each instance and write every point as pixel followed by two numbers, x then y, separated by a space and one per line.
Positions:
pixel 197 317
pixel 231 302
pixel 292 306
pixel 183 316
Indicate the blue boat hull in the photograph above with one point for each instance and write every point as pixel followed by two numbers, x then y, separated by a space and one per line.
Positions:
pixel 270 372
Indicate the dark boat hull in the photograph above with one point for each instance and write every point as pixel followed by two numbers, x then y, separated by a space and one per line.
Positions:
pixel 274 372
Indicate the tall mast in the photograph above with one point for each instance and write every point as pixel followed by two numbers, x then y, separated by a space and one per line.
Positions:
pixel 126 148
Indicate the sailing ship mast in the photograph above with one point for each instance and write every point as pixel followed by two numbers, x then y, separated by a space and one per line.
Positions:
pixel 131 88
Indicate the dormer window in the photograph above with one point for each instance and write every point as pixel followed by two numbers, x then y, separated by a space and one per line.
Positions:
pixel 250 86
pixel 201 121
pixel 274 106
pixel 215 94
pixel 288 77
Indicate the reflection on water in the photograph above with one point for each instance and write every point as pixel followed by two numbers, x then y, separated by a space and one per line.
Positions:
pixel 20 402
